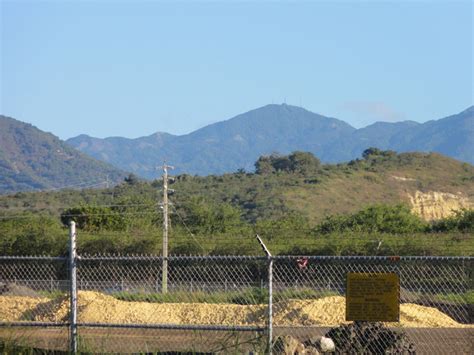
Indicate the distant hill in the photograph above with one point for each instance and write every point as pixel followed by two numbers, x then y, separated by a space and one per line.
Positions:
pixel 238 142
pixel 31 159
pixel 224 146
pixel 452 136
pixel 433 186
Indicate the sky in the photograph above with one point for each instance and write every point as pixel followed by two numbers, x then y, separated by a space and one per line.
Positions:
pixel 132 68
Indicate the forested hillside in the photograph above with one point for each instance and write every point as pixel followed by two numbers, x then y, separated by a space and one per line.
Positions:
pixel 31 159
pixel 383 203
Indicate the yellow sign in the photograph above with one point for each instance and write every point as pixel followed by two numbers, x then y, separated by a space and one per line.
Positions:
pixel 373 297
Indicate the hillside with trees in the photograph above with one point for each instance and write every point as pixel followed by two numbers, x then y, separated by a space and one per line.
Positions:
pixel 31 159
pixel 297 204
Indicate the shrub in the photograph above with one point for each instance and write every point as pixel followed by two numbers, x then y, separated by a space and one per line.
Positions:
pixel 462 221
pixel 375 219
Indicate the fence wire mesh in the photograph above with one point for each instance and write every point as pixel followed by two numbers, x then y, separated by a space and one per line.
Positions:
pixel 34 302
pixel 435 305
pixel 219 304
pixel 211 303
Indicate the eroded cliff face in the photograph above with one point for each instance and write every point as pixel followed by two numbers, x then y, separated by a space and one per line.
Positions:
pixel 434 205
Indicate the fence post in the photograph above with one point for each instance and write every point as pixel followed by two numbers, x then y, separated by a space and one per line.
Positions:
pixel 270 304
pixel 73 288
pixel 270 296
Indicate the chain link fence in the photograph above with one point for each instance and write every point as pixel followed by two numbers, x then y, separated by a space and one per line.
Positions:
pixel 33 311
pixel 436 304
pixel 232 304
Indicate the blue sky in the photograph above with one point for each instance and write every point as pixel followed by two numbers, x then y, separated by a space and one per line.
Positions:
pixel 131 68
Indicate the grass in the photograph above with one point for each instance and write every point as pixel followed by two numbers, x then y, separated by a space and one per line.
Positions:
pixel 55 294
pixel 460 298
pixel 25 341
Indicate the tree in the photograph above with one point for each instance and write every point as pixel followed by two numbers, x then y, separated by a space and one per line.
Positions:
pixel 462 221
pixel 280 162
pixel 209 218
pixel 375 219
pixel 369 152
pixel 296 162
pixel 376 152
pixel 95 218
pixel 264 165
pixel 131 179
pixel 303 162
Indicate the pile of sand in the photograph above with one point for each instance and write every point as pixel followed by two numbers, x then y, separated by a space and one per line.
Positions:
pixel 95 307
pixel 16 308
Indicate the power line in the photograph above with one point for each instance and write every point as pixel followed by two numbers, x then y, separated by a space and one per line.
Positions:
pixel 78 215
pixel 51 189
pixel 81 206
pixel 187 228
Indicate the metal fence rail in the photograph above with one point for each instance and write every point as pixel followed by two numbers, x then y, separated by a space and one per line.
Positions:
pixel 233 304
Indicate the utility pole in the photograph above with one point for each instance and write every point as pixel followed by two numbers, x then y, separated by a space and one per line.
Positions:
pixel 164 281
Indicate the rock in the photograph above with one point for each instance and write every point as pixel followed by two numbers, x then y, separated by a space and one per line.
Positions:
pixel 300 348
pixel 286 345
pixel 310 350
pixel 373 336
pixel 327 344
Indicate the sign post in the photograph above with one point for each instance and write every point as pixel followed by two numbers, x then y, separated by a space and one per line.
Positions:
pixel 373 297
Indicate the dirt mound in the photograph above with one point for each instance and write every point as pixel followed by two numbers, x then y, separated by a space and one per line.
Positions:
pixel 96 307
pixel 414 315
pixel 323 311
pixel 435 205
pixel 17 308
pixel 330 311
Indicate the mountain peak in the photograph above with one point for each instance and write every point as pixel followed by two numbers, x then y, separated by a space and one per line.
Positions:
pixel 239 141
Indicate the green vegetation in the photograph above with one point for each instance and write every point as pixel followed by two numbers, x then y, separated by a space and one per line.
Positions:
pixel 31 159
pixel 297 205
pixel 459 298
pixel 375 219
pixel 462 221
pixel 297 162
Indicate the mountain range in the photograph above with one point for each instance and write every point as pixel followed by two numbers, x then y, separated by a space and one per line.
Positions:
pixel 238 142
pixel 31 159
